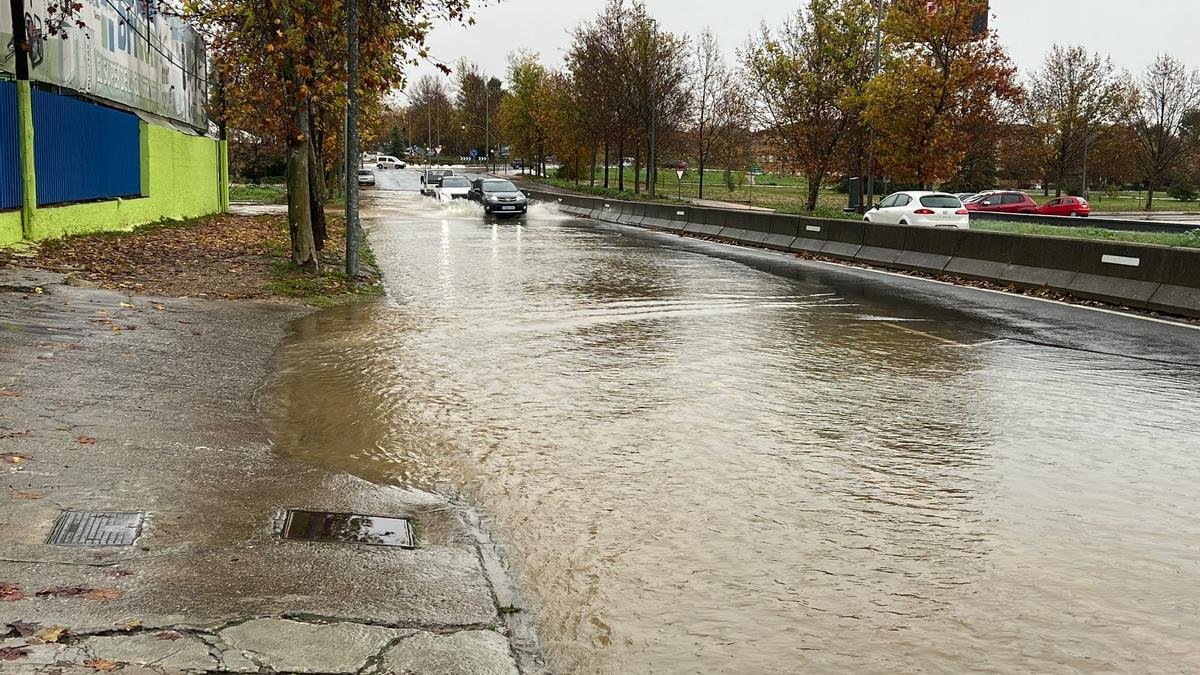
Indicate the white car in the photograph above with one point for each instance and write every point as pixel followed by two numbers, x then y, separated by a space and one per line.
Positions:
pixel 388 162
pixel 452 187
pixel 929 209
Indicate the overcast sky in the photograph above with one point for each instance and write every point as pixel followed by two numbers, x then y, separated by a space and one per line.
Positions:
pixel 1133 33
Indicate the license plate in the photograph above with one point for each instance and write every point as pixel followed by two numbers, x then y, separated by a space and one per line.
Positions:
pixel 507 208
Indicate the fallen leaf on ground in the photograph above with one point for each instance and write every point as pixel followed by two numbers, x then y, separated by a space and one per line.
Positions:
pixel 20 629
pixel 117 574
pixel 14 434
pixel 25 495
pixel 159 307
pixel 84 440
pixel 10 393
pixel 102 665
pixel 128 305
pixel 39 290
pixel 51 634
pixel 62 590
pixel 169 636
pixel 102 594
pixel 13 457
pixel 10 593
pixel 12 653
pixel 130 625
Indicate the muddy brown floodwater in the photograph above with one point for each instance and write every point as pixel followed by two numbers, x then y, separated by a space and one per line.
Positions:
pixel 699 466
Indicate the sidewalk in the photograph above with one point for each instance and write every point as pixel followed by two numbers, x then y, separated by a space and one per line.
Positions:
pixel 134 404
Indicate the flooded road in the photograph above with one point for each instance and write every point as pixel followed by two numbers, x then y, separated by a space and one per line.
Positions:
pixel 702 466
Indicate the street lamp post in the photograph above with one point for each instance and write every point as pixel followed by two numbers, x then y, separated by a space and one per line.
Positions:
pixel 652 176
pixel 871 145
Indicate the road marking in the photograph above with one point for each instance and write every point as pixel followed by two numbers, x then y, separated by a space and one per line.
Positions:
pixel 922 333
pixel 1121 260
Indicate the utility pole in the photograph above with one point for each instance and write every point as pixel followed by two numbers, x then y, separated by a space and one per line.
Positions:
pixel 25 118
pixel 1086 138
pixel 652 176
pixel 871 144
pixel 352 156
pixel 487 124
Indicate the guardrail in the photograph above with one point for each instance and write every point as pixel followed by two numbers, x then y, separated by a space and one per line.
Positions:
pixel 1142 276
pixel 1124 224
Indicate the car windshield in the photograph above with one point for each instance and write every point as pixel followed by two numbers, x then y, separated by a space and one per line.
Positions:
pixel 940 202
pixel 364 172
pixel 498 186
pixel 455 181
pixel 976 198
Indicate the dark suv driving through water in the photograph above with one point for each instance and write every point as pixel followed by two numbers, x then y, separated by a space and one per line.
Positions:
pixel 499 197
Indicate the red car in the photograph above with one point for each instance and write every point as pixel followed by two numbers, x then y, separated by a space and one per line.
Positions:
pixel 1066 206
pixel 1002 202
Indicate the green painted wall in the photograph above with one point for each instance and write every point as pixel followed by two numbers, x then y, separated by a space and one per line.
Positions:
pixel 183 176
pixel 10 227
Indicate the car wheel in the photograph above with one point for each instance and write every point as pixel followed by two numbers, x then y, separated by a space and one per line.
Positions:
pixel 866 219
pixel 1074 214
pixel 903 222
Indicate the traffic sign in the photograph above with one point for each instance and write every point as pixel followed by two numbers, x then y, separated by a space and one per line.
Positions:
pixel 474 152
pixel 679 173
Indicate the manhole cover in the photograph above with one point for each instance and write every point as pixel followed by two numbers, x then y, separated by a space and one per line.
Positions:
pixel 96 528
pixel 353 528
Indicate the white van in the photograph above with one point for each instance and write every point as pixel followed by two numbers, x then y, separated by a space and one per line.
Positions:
pixel 388 162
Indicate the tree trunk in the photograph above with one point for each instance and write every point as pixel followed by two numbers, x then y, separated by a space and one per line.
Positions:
pixel 304 247
pixel 1058 181
pixel 814 190
pixel 1150 195
pixel 637 172
pixel 316 202
pixel 606 160
pixel 592 176
pixel 621 178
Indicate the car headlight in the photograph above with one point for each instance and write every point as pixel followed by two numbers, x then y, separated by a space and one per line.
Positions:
pixel 493 198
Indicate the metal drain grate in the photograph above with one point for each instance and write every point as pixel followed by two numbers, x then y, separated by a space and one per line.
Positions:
pixel 96 528
pixel 354 528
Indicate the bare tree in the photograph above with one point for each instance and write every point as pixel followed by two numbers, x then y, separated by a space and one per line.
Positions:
pixel 807 80
pixel 1166 121
pixel 718 102
pixel 1071 98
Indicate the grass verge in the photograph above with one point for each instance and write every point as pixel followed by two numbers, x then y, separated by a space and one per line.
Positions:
pixel 259 194
pixel 1188 239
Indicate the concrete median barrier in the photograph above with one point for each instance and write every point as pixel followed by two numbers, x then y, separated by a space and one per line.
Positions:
pixel 744 226
pixel 843 239
pixel 782 232
pixel 1037 262
pixel 1179 292
pixel 632 213
pixel 1142 276
pixel 982 255
pixel 882 244
pixel 929 249
pixel 810 235
pixel 708 222
pixel 1119 273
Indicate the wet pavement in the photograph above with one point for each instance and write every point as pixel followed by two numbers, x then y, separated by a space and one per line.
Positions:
pixel 709 459
pixel 118 403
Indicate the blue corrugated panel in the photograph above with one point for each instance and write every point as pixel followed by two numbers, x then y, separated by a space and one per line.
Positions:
pixel 83 150
pixel 10 149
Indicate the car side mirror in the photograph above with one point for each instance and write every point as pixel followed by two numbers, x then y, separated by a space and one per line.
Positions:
pixel 422 179
pixel 875 205
pixel 987 202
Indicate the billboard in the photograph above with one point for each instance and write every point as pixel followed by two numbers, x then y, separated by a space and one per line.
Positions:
pixel 121 51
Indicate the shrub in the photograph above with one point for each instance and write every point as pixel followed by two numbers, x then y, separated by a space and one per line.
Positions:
pixel 1183 190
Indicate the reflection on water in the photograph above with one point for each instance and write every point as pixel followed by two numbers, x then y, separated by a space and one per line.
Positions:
pixel 703 467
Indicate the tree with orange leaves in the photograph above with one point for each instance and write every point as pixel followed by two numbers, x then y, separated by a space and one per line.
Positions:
pixel 941 82
pixel 281 69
